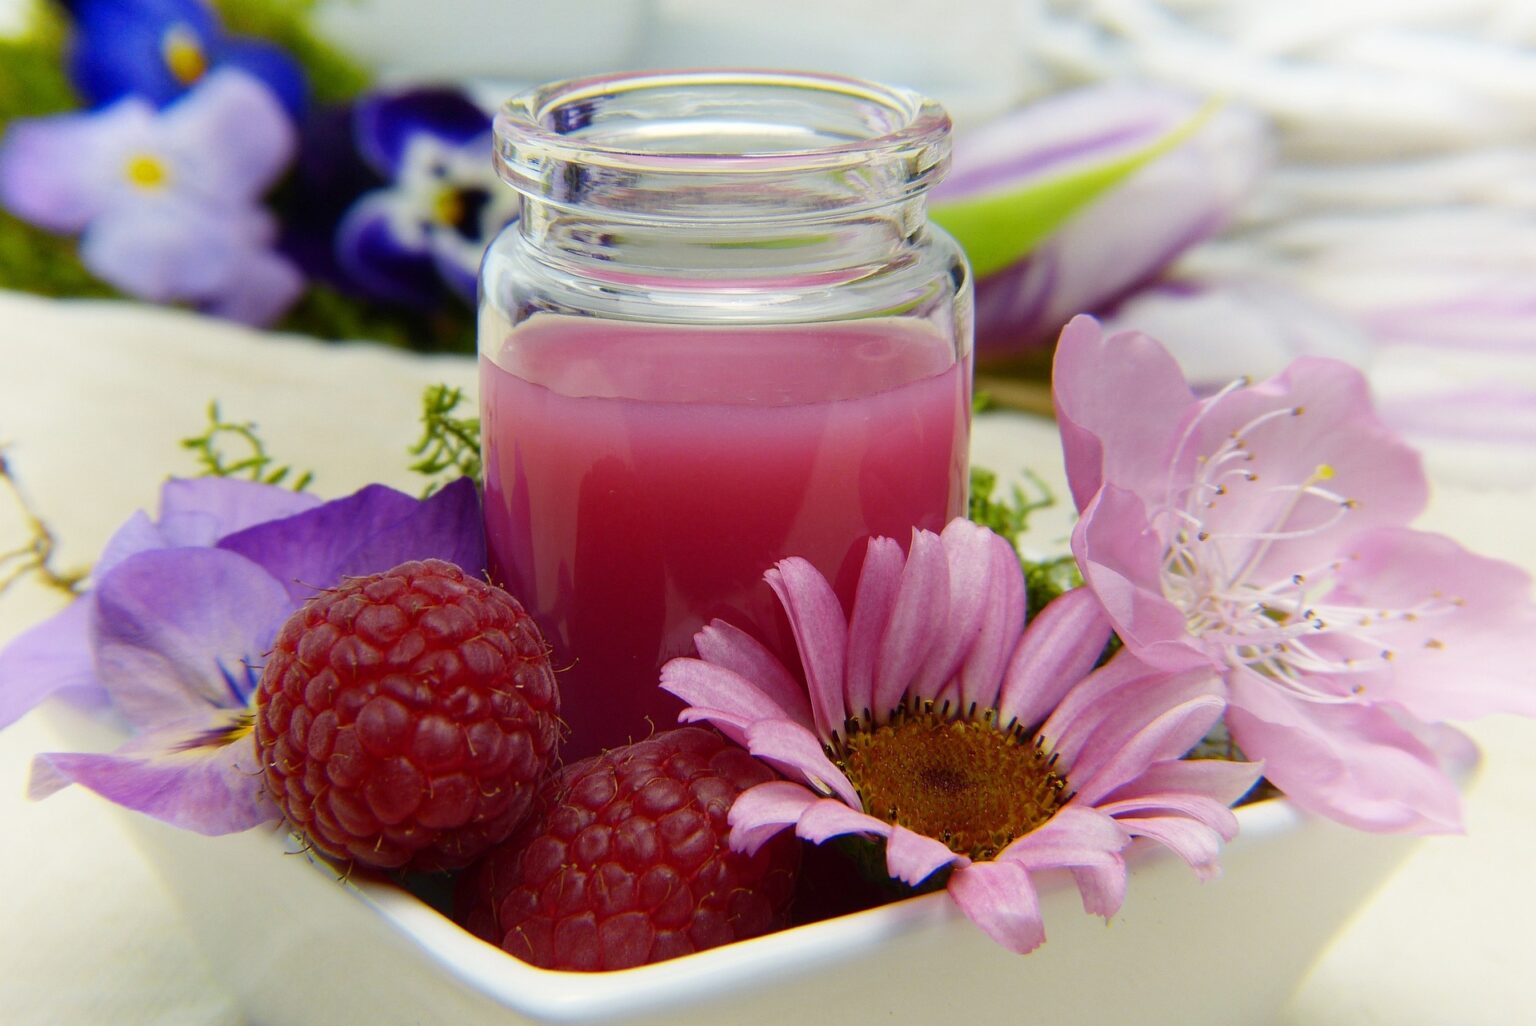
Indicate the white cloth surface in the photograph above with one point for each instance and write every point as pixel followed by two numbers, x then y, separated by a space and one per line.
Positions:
pixel 94 398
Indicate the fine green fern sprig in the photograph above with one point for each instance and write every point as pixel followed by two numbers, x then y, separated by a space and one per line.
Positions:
pixel 450 445
pixel 253 463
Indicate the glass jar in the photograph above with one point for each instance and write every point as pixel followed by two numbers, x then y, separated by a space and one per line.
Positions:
pixel 721 333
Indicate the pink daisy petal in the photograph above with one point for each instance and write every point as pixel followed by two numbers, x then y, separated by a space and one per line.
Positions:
pixel 1196 808
pixel 1193 841
pixel 731 699
pixel 794 749
pixel 829 818
pixel 1101 886
pixel 1075 836
pixel 728 646
pixel 821 633
pixel 1000 898
pixel 917 620
pixel 1002 618
pixel 1222 780
pixel 912 857
pixel 969 571
pixel 879 582
pixel 1063 642
pixel 764 810
pixel 1169 736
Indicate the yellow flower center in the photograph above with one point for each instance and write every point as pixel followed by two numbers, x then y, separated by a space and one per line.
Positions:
pixel 146 171
pixel 183 54
pixel 967 783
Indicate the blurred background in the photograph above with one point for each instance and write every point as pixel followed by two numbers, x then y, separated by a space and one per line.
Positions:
pixel 1366 189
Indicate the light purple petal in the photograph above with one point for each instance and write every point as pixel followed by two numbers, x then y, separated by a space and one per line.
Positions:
pixel 727 646
pixel 1352 763
pixel 176 631
pixel 261 288
pixel 201 773
pixel 62 172
pixel 367 532
pixel 912 857
pixel 1119 402
pixel 821 635
pixel 200 511
pixel 233 135
pixel 163 250
pixel 917 619
pixel 795 750
pixel 1199 808
pixel 762 811
pixel 1000 898
pixel 1058 649
pixel 874 597
pixel 50 657
pixel 1125 239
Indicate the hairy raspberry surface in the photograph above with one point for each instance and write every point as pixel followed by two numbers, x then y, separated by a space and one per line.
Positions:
pixel 625 861
pixel 405 718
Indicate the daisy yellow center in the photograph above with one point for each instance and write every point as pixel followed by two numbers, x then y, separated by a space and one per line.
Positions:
pixel 970 785
pixel 146 171
pixel 184 56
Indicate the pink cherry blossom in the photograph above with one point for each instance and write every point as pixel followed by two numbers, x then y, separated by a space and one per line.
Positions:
pixel 993 751
pixel 1262 532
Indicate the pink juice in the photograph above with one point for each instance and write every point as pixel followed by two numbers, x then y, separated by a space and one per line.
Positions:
pixel 640 479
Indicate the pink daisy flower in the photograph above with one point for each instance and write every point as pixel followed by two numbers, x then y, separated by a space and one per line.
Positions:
pixel 933 721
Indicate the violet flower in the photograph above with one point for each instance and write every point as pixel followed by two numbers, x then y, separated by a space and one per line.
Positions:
pixel 1262 532
pixel 166 201
pixel 933 721
pixel 1129 218
pixel 181 613
pixel 159 49
pixel 430 226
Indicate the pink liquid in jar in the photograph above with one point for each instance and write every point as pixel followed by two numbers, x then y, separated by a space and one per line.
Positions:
pixel 641 478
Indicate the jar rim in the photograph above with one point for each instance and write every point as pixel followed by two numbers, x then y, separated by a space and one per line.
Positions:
pixel 892 135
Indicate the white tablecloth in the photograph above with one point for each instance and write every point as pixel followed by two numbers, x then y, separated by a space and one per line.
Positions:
pixel 94 399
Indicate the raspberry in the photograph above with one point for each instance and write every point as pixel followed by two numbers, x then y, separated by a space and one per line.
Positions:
pixel 624 861
pixel 405 718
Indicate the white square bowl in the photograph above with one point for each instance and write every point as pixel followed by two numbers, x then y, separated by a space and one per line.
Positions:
pixel 297 946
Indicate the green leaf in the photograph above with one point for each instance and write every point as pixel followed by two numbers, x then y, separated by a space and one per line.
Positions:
pixel 998 229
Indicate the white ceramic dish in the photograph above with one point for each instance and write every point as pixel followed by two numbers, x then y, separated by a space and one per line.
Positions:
pixel 298 947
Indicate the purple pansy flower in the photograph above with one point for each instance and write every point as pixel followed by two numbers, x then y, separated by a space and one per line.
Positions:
pixel 166 201
pixel 1262 533
pixel 1125 238
pixel 159 49
pixel 181 614
pixel 930 718
pixel 444 203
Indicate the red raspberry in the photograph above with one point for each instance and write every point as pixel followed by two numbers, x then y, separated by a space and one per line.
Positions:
pixel 624 861
pixel 405 718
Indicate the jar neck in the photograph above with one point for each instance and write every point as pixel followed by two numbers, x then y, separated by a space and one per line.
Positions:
pixel 599 242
